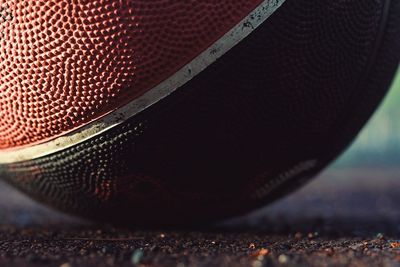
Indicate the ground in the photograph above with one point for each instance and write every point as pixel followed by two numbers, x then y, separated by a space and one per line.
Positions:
pixel 345 217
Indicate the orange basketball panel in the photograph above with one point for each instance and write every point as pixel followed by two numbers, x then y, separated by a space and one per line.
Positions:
pixel 65 63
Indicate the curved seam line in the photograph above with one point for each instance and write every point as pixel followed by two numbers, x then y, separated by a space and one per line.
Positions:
pixel 229 40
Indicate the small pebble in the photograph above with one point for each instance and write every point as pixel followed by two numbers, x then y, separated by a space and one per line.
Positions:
pixel 107 249
pixel 298 236
pixel 395 244
pixel 283 259
pixel 329 251
pixel 263 252
pixel 257 263
pixel 380 236
pixel 137 256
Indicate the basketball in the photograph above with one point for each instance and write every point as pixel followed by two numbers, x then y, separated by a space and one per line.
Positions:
pixel 180 112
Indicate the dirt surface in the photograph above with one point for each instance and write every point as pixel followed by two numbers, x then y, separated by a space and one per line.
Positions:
pixel 343 218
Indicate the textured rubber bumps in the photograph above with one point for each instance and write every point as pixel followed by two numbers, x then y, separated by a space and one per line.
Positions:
pixel 65 63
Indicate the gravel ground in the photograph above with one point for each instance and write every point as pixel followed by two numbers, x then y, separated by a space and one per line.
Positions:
pixel 343 218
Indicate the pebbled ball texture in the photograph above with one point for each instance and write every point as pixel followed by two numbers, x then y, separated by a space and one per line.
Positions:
pixel 65 63
pixel 262 120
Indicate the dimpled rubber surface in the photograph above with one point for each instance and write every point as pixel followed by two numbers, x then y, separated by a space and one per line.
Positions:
pixel 64 63
pixel 297 89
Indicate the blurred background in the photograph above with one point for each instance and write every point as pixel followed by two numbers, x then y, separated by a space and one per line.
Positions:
pixel 379 143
